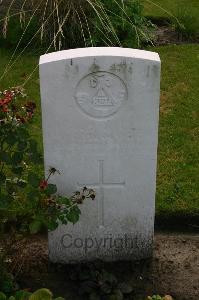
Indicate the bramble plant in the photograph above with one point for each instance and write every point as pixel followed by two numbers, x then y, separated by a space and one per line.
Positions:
pixel 25 199
pixel 28 203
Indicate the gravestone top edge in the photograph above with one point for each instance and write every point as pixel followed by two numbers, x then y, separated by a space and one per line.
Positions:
pixel 97 52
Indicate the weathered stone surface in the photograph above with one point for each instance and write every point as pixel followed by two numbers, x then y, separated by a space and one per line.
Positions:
pixel 100 110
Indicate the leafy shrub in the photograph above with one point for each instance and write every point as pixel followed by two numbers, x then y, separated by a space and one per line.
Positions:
pixel 26 200
pixel 69 23
pixel 41 294
pixel 7 284
pixel 158 297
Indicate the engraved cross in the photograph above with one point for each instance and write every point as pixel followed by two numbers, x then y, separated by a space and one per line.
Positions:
pixel 101 185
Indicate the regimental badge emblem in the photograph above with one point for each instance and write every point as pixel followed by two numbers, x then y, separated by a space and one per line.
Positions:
pixel 101 94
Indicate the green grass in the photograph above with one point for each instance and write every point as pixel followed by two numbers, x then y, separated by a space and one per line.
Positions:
pixel 178 159
pixel 172 6
pixel 178 163
pixel 183 15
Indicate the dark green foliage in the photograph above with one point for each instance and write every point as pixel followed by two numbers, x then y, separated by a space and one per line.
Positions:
pixel 16 31
pixel 96 283
pixel 41 294
pixel 6 282
pixel 117 23
pixel 78 23
pixel 28 203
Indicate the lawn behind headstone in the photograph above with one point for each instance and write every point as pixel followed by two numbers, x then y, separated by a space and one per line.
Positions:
pixel 164 8
pixel 178 161
pixel 178 176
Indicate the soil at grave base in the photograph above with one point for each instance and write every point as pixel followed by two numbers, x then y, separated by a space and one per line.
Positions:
pixel 174 269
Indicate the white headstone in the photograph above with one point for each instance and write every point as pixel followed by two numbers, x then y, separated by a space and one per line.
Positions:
pixel 100 109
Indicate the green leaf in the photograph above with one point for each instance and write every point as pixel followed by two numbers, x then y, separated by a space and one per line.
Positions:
pixel 73 215
pixel 42 294
pixel 11 298
pixel 17 157
pixel 51 189
pixel 52 225
pixel 33 179
pixel 17 170
pixel 87 287
pixel 36 158
pixel 21 184
pixel 5 157
pixel 94 296
pixel 11 139
pixel 5 201
pixel 23 133
pixel 157 297
pixel 106 288
pixel 2 177
pixel 32 195
pixel 33 145
pixel 2 296
pixel 7 285
pixel 11 187
pixel 125 288
pixel 35 226
pixel 21 146
pixel 117 295
pixel 63 219
pixel 64 200
pixel 109 277
pixel 22 295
